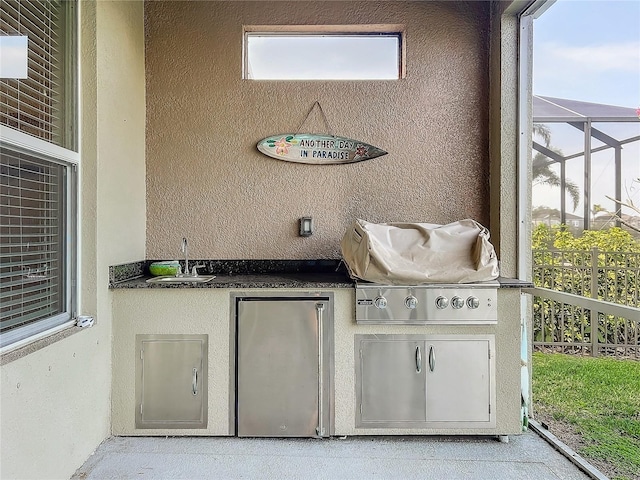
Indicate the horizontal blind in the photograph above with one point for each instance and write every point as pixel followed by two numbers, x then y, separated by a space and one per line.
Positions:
pixel 35 105
pixel 32 228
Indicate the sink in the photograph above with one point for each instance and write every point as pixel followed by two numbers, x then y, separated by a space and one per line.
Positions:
pixel 173 279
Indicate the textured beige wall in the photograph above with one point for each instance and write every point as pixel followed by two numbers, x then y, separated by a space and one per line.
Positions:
pixel 504 139
pixel 121 130
pixel 56 401
pixel 55 407
pixel 207 181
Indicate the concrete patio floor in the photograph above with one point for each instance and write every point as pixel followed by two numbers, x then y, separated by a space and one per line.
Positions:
pixel 526 456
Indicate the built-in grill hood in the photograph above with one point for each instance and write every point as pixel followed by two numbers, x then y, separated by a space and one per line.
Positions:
pixel 419 253
pixel 420 273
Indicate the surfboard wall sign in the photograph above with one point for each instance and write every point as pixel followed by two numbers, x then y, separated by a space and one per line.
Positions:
pixel 317 149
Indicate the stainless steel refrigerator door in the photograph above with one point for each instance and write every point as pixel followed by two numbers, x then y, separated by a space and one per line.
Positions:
pixel 278 368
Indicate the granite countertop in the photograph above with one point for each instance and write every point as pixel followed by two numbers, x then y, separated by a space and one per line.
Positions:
pixel 243 274
pixel 256 274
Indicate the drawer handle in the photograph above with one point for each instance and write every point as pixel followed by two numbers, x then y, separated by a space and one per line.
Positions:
pixel 194 383
pixel 418 360
pixel 432 358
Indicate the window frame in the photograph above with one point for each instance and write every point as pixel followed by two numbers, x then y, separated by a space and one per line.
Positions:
pixel 69 158
pixel 29 145
pixel 323 31
pixel 525 127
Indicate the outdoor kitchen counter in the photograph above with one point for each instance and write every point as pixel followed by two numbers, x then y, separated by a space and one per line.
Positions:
pixel 182 311
pixel 245 274
pixel 299 280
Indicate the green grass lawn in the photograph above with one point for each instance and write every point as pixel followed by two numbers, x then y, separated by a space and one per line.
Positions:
pixel 599 399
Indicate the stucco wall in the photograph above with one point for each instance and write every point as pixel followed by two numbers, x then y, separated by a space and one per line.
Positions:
pixel 207 181
pixel 504 137
pixel 121 129
pixel 56 400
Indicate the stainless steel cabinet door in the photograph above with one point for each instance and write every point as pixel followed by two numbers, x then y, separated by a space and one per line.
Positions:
pixel 422 381
pixel 391 381
pixel 459 380
pixel 171 381
pixel 277 366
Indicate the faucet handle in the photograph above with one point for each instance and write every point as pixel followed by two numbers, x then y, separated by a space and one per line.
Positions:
pixel 194 270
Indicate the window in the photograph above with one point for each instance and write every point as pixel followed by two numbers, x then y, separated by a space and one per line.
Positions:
pixel 38 158
pixel 370 52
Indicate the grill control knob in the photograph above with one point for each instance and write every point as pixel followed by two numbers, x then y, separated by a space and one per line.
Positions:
pixel 411 302
pixel 442 302
pixel 380 302
pixel 457 302
pixel 473 302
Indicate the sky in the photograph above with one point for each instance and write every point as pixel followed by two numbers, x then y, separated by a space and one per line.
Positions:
pixel 589 50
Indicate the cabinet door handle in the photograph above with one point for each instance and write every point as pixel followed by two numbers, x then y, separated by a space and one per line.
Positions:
pixel 194 382
pixel 418 360
pixel 432 358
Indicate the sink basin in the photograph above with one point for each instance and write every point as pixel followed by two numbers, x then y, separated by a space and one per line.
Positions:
pixel 172 279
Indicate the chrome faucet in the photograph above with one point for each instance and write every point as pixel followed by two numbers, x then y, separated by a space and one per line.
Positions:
pixel 185 250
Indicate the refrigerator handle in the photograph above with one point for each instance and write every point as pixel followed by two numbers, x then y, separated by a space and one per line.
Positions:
pixel 320 427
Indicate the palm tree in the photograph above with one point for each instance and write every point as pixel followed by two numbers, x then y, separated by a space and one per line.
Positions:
pixel 542 174
pixel 542 131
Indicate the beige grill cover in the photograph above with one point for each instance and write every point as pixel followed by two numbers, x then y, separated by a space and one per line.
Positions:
pixel 417 253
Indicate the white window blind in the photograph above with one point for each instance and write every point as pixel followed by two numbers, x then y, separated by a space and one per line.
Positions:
pixel 35 105
pixel 32 267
